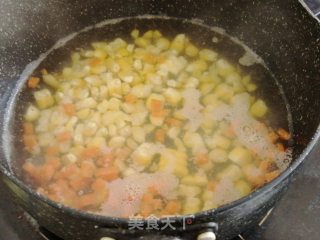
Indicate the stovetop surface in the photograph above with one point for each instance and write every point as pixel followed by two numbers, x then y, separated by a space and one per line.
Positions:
pixel 296 216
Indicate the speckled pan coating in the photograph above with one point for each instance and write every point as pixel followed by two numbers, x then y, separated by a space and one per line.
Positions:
pixel 281 32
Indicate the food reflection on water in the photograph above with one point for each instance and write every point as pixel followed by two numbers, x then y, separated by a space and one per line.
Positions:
pixel 155 126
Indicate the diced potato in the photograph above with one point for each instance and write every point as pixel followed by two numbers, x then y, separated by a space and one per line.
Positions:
pixel 172 96
pixel 206 88
pixel 207 195
pixel 142 155
pixel 232 172
pixel 218 155
pixel 86 103
pixel 51 81
pixel 191 205
pixel 135 33
pixel 138 118
pixel 243 187
pixel 32 113
pixel 240 156
pixel 259 108
pixel 142 42
pixel 163 43
pixel 178 43
pixel 138 134
pixel 83 113
pixel 251 87
pixel 191 50
pixel 224 68
pixel 224 92
pixel 117 142
pixel 218 141
pixel 189 191
pixel 195 180
pixel 208 55
pixel 131 143
pixel 43 98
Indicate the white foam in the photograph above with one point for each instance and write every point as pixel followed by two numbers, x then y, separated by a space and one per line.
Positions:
pixel 192 108
pixel 125 194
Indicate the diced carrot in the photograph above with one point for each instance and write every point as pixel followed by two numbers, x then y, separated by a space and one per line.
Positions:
pixel 283 134
pixel 280 147
pixel 173 207
pixel 145 210
pixel 46 173
pixel 33 82
pixel 69 109
pixel 160 135
pixel 64 136
pixel 273 136
pixel 157 204
pixel 69 171
pixel 91 152
pixel 108 173
pixel 87 169
pixel 98 184
pixel 156 105
pixel 30 169
pixel 172 122
pixel 87 201
pixel 153 190
pixel 202 159
pixel 60 186
pixel 101 195
pixel 54 162
pixel 147 198
pixel 52 151
pixel 266 165
pixel 272 175
pixel 212 185
pixel 79 183
pixel 28 128
pixel 130 98
pixel 30 142
pixel 94 62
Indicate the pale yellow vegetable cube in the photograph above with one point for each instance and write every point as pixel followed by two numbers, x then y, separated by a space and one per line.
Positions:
pixel 51 81
pixel 218 141
pixel 218 155
pixel 224 68
pixel 138 134
pixel 191 205
pixel 172 96
pixel 191 50
pixel 188 191
pixel 240 156
pixel 224 92
pixel 259 109
pixel 232 172
pixel 163 43
pixel 208 55
pixel 32 113
pixel 142 155
pixel 195 180
pixel 43 98
pixel 178 43
pixel 117 142
pixel 243 187
pixel 135 33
